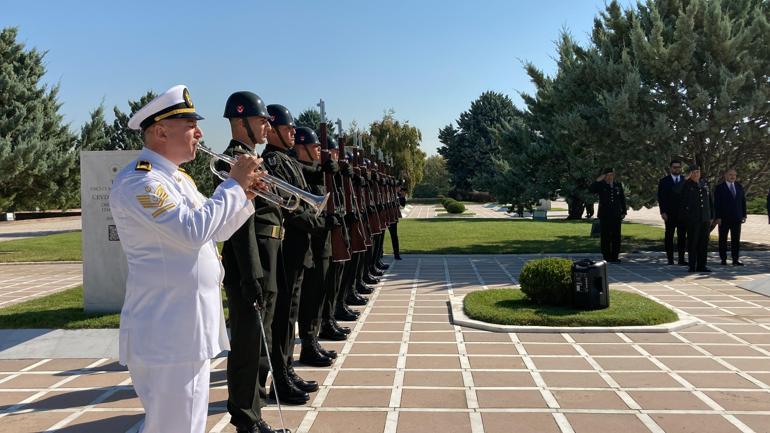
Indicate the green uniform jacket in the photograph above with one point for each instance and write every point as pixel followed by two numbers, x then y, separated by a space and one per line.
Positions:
pixel 697 202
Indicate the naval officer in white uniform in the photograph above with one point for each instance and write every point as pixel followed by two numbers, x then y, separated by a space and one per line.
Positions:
pixel 172 321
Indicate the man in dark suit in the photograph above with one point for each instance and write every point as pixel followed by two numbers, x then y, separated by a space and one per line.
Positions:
pixel 670 203
pixel 698 208
pixel 730 212
pixel 612 210
pixel 768 206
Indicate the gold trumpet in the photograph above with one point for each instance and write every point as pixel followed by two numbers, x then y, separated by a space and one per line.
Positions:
pixel 296 195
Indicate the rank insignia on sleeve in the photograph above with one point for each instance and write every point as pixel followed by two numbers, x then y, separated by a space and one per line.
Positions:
pixel 272 161
pixel 143 166
pixel 156 200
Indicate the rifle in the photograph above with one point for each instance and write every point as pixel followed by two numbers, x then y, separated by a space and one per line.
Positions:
pixel 371 208
pixel 340 251
pixel 357 233
pixel 358 193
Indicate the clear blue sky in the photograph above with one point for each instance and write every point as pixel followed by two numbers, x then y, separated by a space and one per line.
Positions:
pixel 425 59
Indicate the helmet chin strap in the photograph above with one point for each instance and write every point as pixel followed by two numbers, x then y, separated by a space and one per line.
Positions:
pixel 249 131
pixel 280 137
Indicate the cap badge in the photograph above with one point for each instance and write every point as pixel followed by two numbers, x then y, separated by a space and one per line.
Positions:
pixel 239 108
pixel 187 100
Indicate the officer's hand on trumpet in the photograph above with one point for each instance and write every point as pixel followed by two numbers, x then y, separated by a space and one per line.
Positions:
pixel 248 173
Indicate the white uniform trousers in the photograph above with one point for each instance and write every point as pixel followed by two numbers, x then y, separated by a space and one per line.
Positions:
pixel 175 396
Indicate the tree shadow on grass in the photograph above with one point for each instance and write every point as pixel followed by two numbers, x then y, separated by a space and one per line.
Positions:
pixel 544 310
pixel 62 318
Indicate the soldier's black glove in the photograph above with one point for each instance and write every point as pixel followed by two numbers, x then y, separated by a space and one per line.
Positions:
pixel 331 221
pixel 351 218
pixel 330 166
pixel 253 294
pixel 347 170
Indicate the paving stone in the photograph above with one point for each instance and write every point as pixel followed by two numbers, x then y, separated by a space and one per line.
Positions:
pixel 365 378
pixel 645 380
pixel 573 380
pixel 741 400
pixel 693 423
pixel 519 423
pixel 512 379
pixel 668 400
pixel 416 422
pixel 433 378
pixel 605 422
pixel 433 398
pixel 346 397
pixel 588 399
pixel 626 364
pixel 358 422
pixel 488 398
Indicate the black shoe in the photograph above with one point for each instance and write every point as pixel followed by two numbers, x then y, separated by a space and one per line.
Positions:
pixel 265 428
pixel 737 263
pixel 723 263
pixel 363 289
pixel 344 329
pixel 356 299
pixel 375 272
pixel 384 266
pixel 345 315
pixel 331 354
pixel 683 263
pixel 704 270
pixel 288 393
pixel 261 427
pixel 312 357
pixel 670 261
pixel 370 280
pixel 690 269
pixel 300 383
pixel 329 332
pixel 397 257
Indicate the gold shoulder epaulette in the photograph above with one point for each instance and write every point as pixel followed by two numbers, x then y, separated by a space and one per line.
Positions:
pixel 143 166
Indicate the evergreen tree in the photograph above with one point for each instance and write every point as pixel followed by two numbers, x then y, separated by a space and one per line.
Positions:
pixel 435 175
pixel 94 133
pixel 311 118
pixel 37 151
pixel 471 148
pixel 121 136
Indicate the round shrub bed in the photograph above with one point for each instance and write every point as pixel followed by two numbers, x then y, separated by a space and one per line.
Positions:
pixel 547 281
pixel 512 307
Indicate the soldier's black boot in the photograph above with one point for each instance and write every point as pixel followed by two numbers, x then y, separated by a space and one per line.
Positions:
pixel 288 393
pixel 344 314
pixel 355 299
pixel 384 266
pixel 329 353
pixel 303 385
pixel 368 279
pixel 329 332
pixel 375 272
pixel 363 289
pixel 344 329
pixel 310 355
pixel 263 427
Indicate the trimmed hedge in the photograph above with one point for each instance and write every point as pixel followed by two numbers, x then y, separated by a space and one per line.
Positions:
pixel 453 206
pixel 756 206
pixel 547 281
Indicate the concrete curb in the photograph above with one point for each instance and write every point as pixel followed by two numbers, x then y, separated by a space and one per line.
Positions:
pixel 461 319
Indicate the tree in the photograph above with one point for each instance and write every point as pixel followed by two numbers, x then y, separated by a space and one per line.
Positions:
pixel 311 118
pixel 402 142
pixel 37 150
pixel 94 135
pixel 121 136
pixel 435 177
pixel 471 147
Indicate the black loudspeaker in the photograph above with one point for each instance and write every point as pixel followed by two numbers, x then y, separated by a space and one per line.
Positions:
pixel 589 279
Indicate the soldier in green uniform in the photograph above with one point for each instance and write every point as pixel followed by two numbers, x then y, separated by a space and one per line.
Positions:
pixel 612 210
pixel 246 283
pixel 698 208
pixel 296 253
pixel 308 151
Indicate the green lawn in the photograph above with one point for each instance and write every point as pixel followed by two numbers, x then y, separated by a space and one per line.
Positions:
pixel 511 307
pixel 57 247
pixel 496 236
pixel 62 310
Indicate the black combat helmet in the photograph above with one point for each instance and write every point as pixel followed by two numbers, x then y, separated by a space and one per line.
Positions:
pixel 245 104
pixel 331 143
pixel 280 115
pixel 305 136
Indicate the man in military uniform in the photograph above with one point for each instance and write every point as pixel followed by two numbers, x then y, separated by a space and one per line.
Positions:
pixel 295 252
pixel 699 210
pixel 308 150
pixel 612 210
pixel 172 322
pixel 244 276
pixel 670 204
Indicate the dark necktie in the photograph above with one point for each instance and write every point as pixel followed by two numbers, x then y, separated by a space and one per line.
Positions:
pixel 732 189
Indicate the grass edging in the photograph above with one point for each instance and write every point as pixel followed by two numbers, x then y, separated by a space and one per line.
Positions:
pixel 460 318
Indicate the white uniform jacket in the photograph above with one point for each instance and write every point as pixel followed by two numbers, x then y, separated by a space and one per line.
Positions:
pixel 172 312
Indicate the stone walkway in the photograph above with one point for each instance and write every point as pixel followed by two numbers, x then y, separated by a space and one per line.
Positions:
pixel 22 282
pixel 407 369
